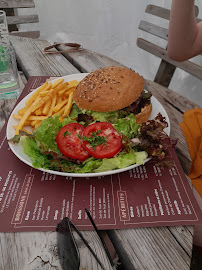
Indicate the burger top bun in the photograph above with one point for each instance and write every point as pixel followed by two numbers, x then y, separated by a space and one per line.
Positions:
pixel 108 89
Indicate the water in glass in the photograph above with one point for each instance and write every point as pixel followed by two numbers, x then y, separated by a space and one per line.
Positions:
pixel 9 83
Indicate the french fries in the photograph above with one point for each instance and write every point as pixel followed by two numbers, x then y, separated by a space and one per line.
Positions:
pixel 50 99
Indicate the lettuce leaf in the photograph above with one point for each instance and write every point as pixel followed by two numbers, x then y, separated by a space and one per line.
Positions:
pixel 31 148
pixel 153 139
pixel 68 120
pixel 102 116
pixel 75 111
pixel 127 126
pixel 40 160
pixel 121 161
pixel 90 165
pixel 46 134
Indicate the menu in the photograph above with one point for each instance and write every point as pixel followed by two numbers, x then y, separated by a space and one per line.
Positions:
pixel 145 196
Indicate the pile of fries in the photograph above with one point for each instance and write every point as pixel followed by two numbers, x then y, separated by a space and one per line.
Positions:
pixel 50 99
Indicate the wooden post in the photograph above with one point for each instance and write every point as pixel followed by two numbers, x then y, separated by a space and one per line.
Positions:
pixel 11 12
pixel 165 73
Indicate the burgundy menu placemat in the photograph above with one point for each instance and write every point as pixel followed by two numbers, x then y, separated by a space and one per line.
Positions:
pixel 32 200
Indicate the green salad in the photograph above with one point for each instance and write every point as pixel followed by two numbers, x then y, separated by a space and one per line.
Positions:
pixel 138 142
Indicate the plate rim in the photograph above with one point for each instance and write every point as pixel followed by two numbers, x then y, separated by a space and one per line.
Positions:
pixel 66 174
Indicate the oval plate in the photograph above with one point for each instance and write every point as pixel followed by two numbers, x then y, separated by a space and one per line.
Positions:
pixel 18 151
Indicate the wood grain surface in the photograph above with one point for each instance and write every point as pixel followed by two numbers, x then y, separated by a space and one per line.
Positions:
pixel 33 62
pixel 22 19
pixel 17 4
pixel 29 34
pixel 154 29
pixel 87 61
pixel 163 13
pixel 151 248
pixel 41 250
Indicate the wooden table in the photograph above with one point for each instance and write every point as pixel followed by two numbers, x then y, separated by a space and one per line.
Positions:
pixel 163 248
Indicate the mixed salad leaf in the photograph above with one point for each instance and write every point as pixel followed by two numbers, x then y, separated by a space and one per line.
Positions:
pixel 138 142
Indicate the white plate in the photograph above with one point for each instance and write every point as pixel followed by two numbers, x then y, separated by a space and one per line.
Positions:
pixel 18 151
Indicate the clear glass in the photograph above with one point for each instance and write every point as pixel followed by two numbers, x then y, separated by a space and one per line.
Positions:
pixel 9 82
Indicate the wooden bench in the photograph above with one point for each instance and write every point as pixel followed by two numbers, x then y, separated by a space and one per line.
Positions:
pixel 11 8
pixel 167 66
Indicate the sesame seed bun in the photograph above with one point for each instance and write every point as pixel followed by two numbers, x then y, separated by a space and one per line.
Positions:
pixel 108 89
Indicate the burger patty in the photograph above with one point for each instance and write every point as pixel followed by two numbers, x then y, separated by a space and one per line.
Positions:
pixel 143 100
pixel 88 119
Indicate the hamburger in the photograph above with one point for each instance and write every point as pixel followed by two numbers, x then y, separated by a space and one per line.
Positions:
pixel 110 93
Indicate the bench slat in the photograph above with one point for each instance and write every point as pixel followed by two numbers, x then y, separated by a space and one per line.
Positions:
pixel 154 29
pixel 22 19
pixel 17 4
pixel 187 66
pixel 163 12
pixel 28 34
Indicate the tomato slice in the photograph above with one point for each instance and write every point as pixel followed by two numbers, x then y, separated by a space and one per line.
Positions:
pixel 101 140
pixel 70 143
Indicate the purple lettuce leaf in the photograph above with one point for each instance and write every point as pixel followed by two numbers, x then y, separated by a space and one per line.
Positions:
pixel 153 139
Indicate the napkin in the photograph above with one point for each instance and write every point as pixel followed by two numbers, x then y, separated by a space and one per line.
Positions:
pixel 192 129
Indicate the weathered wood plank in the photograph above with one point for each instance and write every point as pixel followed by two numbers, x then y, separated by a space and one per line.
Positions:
pixel 183 236
pixel 87 260
pixel 29 34
pixel 163 12
pixel 87 61
pixel 187 66
pixel 42 250
pixel 158 11
pixel 171 97
pixel 17 4
pixel 22 19
pixel 154 29
pixel 151 248
pixel 164 73
pixel 33 62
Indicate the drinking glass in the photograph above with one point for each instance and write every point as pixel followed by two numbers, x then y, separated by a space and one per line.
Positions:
pixel 9 82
